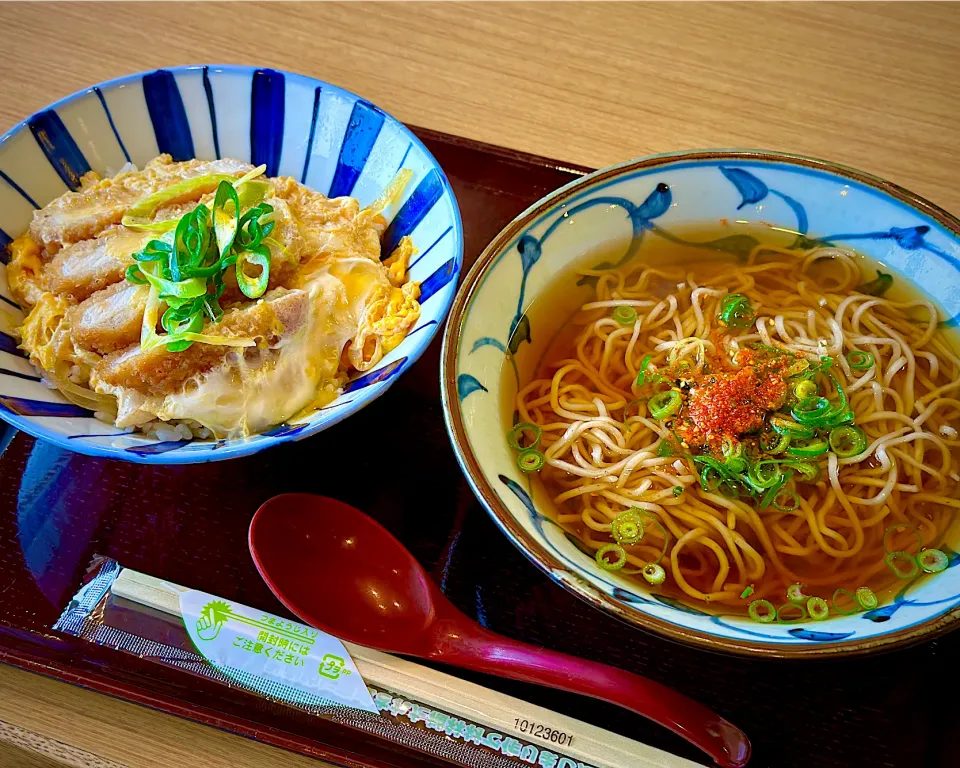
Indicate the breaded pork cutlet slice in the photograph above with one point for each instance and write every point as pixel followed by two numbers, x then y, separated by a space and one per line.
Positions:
pixel 77 216
pixel 157 372
pixel 110 319
pixel 82 269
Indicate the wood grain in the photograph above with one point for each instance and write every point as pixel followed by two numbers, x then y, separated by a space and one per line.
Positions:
pixel 38 717
pixel 869 85
pixel 872 85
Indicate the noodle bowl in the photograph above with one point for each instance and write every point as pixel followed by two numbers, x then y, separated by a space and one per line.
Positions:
pixel 722 371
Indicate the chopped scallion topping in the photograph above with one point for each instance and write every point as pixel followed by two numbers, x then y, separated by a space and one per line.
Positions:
pixel 533 433
pixel 890 531
pixel 847 441
pixel 625 314
pixel 818 608
pixel 795 594
pixel 858 360
pixel 808 449
pixel 611 549
pixel 805 389
pixel 642 370
pixel 762 611
pixel 736 311
pixel 866 598
pixel 850 606
pixel 877 287
pixel 903 564
pixel 663 405
pixel 654 573
pixel 530 460
pixel 627 527
pixel 932 560
pixel 791 613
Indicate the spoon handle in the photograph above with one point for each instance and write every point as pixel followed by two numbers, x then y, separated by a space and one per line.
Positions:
pixel 493 654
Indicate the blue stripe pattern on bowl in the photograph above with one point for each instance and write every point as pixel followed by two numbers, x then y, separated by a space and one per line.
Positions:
pixel 323 136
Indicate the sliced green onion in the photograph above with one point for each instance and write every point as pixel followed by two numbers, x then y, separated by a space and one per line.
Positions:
pixel 764 474
pixel 858 360
pixel 797 368
pixel 912 567
pixel 519 430
pixel 786 501
pixel 854 603
pixel 664 449
pixel 746 592
pixel 155 250
pixel 795 594
pixel 805 389
pixel 876 287
pixel 627 527
pixel 932 560
pixel 713 474
pixel 809 471
pixel 809 448
pixel 783 618
pixel 176 321
pixel 818 608
pixel 654 573
pixel 250 233
pixel 665 404
pixel 811 410
pixel 775 443
pixel 792 428
pixel 847 441
pixel 677 491
pixel 840 418
pixel 134 275
pixel 625 314
pixel 253 286
pixel 866 598
pixel 642 371
pixel 736 311
pixel 899 527
pixel 615 549
pixel 226 216
pixel 190 288
pixel 530 460
pixel 774 491
pixel 733 456
pixel 140 215
pixel 762 611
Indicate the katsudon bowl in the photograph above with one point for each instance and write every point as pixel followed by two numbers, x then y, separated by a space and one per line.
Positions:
pixel 323 137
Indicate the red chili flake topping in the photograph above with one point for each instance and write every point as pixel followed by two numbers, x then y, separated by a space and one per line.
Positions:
pixel 731 403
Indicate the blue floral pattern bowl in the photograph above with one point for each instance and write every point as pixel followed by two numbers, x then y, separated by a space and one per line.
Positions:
pixel 490 336
pixel 321 135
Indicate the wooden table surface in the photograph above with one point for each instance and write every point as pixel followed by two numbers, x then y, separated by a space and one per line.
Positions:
pixel 870 85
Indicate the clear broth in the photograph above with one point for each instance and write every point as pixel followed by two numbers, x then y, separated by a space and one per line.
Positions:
pixel 556 309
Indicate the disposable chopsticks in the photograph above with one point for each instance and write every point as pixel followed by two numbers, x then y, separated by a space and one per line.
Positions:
pixel 469 701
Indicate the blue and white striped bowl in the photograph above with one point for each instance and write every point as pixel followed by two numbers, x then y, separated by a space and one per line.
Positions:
pixel 323 136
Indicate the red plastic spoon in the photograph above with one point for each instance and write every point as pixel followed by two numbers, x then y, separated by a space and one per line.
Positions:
pixel 342 572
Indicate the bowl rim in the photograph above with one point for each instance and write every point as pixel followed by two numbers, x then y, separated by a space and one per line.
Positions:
pixel 543 559
pixel 233 449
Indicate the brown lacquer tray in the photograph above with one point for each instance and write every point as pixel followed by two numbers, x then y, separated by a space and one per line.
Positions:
pixel 393 459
